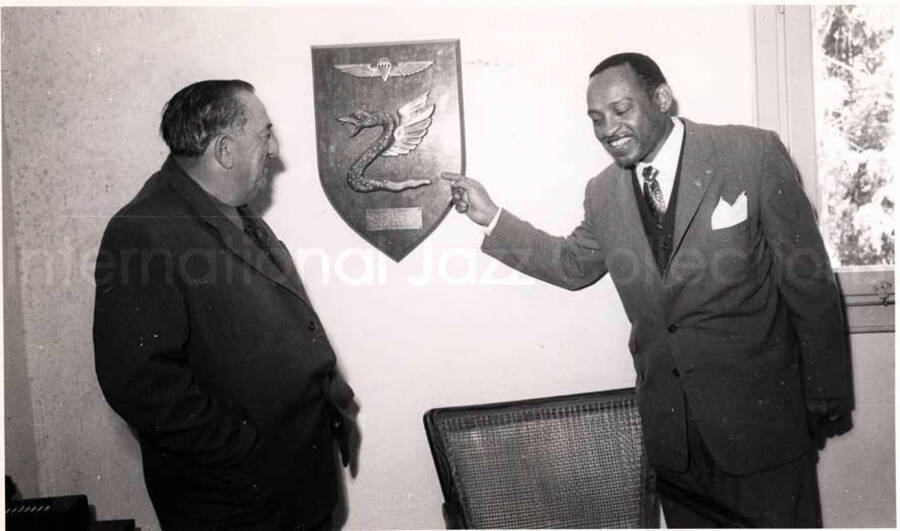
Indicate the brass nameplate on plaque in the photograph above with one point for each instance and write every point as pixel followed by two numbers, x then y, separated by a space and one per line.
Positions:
pixel 394 218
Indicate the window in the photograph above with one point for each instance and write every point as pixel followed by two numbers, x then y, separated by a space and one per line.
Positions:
pixel 852 81
pixel 825 83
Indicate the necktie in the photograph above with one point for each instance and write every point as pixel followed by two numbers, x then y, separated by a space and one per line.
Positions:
pixel 652 193
pixel 254 229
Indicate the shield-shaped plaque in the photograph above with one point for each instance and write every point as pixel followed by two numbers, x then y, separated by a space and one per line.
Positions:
pixel 388 122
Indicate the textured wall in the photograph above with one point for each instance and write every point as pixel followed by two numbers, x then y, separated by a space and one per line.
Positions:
pixel 73 132
pixel 82 90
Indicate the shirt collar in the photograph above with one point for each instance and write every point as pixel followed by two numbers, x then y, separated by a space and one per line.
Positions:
pixel 666 161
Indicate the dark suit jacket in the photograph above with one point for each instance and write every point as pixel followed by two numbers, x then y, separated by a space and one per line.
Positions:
pixel 218 361
pixel 744 321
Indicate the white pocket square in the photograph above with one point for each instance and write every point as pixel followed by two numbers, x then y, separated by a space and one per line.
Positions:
pixel 726 215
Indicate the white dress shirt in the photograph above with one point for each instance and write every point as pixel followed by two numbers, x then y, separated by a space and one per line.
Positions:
pixel 666 161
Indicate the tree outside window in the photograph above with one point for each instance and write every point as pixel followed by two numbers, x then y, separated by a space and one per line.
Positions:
pixel 854 74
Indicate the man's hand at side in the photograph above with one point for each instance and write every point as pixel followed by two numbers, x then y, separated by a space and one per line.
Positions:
pixel 828 418
pixel 469 196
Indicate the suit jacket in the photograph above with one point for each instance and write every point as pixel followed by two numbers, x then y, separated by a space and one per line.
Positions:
pixel 218 361
pixel 744 322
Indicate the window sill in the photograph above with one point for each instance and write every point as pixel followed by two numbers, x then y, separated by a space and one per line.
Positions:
pixel 868 296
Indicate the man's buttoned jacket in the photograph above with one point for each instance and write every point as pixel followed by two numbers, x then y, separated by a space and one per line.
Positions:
pixel 215 356
pixel 743 324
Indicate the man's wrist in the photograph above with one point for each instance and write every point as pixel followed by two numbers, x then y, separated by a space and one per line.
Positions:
pixel 489 228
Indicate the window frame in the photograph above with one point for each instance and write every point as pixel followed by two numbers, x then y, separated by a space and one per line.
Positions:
pixel 785 103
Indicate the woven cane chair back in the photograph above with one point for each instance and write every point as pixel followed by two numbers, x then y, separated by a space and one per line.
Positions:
pixel 563 462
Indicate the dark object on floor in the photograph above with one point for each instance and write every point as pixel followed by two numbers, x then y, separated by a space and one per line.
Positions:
pixel 12 491
pixel 62 513
pixel 58 513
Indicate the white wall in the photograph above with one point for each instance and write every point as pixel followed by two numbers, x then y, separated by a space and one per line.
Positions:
pixel 82 90
pixel 857 470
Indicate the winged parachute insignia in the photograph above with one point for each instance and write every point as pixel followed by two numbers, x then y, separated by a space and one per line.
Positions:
pixel 395 139
pixel 384 68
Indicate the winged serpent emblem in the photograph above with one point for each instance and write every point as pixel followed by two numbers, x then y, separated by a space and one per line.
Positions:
pixel 384 69
pixel 395 139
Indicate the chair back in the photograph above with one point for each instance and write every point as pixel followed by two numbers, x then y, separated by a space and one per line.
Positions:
pixel 573 461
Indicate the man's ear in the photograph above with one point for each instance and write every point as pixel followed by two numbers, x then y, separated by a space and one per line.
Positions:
pixel 663 98
pixel 223 150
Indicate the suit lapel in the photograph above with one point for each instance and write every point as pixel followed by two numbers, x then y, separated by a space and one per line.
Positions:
pixel 286 263
pixel 697 171
pixel 233 238
pixel 282 257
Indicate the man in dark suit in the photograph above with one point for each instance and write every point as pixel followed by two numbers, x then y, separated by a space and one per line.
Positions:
pixel 737 334
pixel 205 341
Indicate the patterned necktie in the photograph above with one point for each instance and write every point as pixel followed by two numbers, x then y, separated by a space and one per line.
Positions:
pixel 652 193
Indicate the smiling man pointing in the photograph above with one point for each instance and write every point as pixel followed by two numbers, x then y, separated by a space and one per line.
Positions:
pixel 737 334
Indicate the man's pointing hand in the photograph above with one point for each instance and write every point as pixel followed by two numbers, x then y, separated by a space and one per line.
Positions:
pixel 469 196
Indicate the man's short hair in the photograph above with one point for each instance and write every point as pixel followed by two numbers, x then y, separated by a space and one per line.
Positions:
pixel 646 69
pixel 199 112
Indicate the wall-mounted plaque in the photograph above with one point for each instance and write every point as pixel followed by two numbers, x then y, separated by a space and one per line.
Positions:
pixel 388 122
